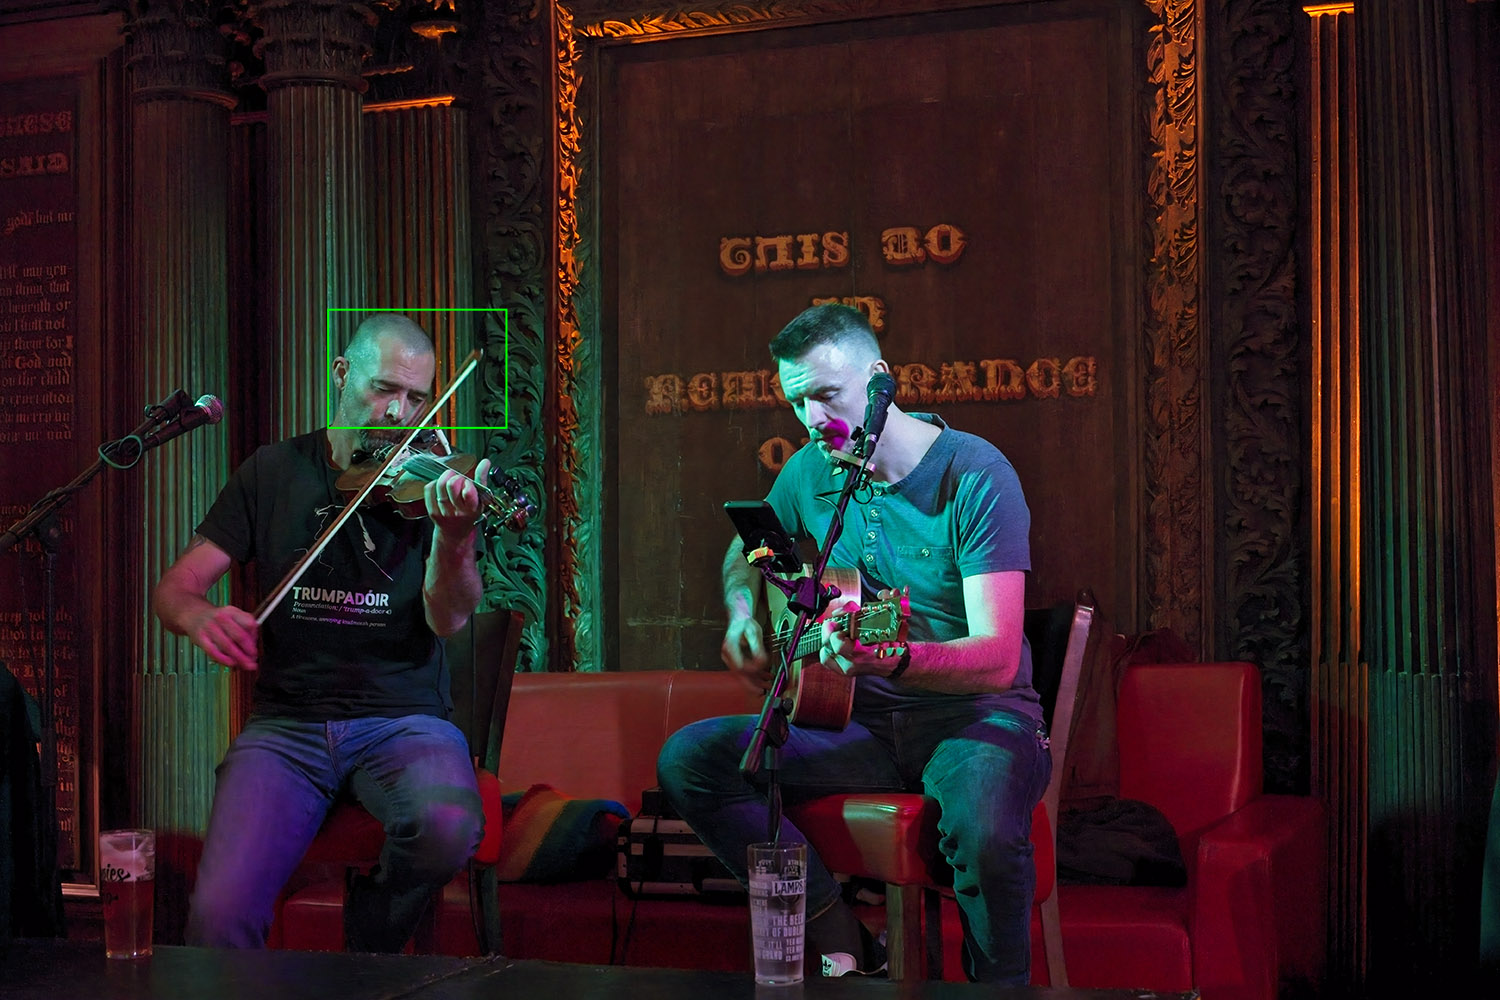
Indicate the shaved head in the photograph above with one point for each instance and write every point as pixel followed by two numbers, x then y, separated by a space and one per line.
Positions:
pixel 835 325
pixel 381 328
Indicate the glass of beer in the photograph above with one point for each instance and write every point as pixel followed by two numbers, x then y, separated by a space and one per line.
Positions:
pixel 127 884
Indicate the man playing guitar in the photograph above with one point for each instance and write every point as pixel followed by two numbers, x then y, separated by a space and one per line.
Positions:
pixel 953 716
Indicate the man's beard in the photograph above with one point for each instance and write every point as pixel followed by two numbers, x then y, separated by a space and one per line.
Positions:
pixel 377 442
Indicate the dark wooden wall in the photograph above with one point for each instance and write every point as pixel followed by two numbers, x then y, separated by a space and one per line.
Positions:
pixel 1005 128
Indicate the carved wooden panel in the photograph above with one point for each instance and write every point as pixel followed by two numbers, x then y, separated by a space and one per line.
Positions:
pixel 59 88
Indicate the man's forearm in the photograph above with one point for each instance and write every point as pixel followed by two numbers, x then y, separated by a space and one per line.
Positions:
pixel 742 584
pixel 451 589
pixel 971 665
pixel 177 606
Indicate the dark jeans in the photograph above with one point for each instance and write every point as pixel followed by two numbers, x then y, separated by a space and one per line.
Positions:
pixel 275 787
pixel 987 769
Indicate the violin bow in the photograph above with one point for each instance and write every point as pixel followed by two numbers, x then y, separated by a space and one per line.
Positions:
pixel 290 580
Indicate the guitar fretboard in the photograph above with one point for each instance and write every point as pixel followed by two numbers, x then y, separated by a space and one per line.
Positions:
pixel 878 622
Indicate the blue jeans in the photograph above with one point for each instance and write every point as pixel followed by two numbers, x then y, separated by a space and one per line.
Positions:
pixel 276 785
pixel 987 769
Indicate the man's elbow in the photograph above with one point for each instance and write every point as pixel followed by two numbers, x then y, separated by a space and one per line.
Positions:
pixel 444 621
pixel 165 600
pixel 444 629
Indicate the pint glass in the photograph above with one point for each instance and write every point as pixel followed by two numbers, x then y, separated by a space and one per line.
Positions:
pixel 127 883
pixel 778 911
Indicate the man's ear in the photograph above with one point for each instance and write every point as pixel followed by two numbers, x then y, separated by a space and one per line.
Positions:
pixel 340 371
pixel 879 366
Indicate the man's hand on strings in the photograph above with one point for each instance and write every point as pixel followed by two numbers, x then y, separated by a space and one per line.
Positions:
pixel 744 651
pixel 845 653
pixel 453 499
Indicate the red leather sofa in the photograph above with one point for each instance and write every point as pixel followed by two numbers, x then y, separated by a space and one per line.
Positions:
pixel 588 736
pixel 1249 919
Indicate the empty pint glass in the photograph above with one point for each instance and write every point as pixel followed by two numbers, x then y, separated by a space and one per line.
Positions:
pixel 127 884
pixel 778 911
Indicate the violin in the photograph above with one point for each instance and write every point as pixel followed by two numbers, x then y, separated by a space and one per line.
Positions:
pixel 402 481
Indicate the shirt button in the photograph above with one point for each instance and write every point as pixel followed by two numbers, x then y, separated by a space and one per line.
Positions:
pixel 870 535
pixel 875 513
pixel 869 557
pixel 927 552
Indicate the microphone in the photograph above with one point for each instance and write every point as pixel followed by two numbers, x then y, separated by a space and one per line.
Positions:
pixel 207 410
pixel 881 390
pixel 169 407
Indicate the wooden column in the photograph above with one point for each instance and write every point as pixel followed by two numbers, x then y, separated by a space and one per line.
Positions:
pixel 178 279
pixel 1426 577
pixel 418 198
pixel 313 52
pixel 1340 696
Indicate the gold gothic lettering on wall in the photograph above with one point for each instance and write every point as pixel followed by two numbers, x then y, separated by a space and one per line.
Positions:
pixel 34 165
pixel 901 246
pixel 873 306
pixel 992 380
pixel 739 255
pixel 905 246
pixel 36 123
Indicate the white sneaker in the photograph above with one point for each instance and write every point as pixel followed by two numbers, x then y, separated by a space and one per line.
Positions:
pixel 840 963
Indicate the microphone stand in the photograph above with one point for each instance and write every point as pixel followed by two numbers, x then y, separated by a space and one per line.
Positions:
pixel 38 522
pixel 808 596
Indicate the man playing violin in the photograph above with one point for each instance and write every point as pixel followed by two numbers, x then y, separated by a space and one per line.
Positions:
pixel 351 687
pixel 953 716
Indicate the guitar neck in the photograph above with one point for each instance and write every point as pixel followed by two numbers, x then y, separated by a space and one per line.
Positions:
pixel 877 621
pixel 813 638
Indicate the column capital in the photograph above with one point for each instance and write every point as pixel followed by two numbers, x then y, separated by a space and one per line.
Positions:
pixel 175 51
pixel 314 42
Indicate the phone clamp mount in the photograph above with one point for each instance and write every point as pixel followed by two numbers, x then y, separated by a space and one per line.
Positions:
pixel 770 549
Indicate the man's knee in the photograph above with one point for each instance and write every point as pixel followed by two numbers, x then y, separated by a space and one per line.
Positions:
pixel 689 753
pixel 449 834
pixel 988 842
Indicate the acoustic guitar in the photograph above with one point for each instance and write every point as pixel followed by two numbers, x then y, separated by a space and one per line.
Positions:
pixel 823 697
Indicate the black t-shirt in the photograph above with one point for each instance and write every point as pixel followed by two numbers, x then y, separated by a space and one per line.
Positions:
pixel 351 639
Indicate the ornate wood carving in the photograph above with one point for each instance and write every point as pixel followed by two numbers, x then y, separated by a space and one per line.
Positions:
pixel 314 41
pixel 727 16
pixel 579 586
pixel 1265 559
pixel 512 204
pixel 178 53
pixel 1178 548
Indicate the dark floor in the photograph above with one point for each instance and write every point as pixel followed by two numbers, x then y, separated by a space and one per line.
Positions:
pixel 74 970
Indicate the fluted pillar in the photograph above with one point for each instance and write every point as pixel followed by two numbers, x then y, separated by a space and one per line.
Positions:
pixel 1340 695
pixel 417 156
pixel 1426 580
pixel 313 52
pixel 178 278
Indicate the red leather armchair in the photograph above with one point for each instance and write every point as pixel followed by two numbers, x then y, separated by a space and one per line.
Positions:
pixel 1251 917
